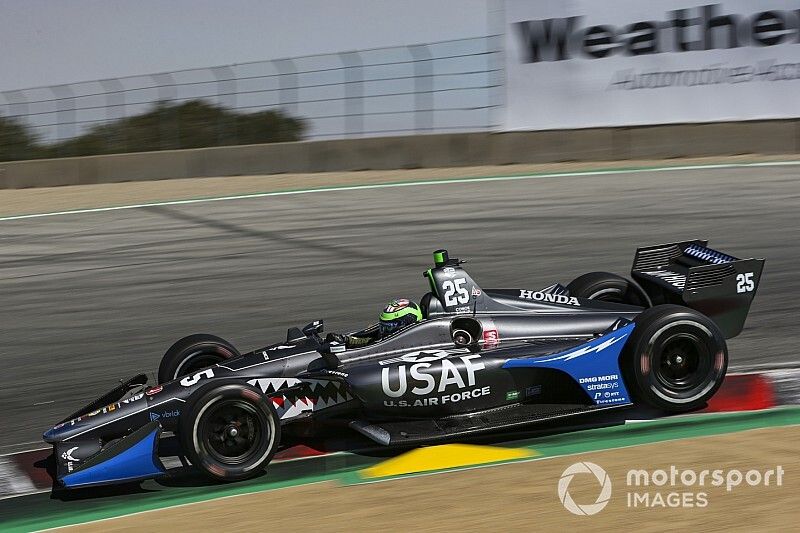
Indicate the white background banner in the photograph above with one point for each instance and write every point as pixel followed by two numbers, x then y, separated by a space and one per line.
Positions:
pixel 584 63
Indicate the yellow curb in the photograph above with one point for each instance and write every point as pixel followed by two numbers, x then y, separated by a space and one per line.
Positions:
pixel 443 457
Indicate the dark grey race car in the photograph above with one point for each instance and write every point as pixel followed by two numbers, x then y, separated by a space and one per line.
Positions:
pixel 480 360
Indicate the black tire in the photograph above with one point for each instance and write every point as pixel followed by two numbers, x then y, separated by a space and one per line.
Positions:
pixel 194 353
pixel 608 287
pixel 229 431
pixel 676 358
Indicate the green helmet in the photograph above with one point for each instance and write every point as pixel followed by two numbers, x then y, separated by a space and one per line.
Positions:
pixel 398 314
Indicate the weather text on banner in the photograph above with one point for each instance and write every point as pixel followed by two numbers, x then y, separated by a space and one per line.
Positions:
pixel 579 63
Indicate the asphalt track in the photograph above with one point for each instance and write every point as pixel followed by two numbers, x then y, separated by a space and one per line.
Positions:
pixel 89 298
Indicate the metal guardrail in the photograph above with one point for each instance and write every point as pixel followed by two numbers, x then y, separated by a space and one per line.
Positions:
pixel 447 86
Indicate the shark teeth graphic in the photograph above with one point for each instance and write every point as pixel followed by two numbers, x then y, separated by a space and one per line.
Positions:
pixel 316 384
pixel 292 408
pixel 321 394
pixel 268 385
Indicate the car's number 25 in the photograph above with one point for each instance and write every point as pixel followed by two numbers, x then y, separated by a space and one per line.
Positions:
pixel 744 282
pixel 454 292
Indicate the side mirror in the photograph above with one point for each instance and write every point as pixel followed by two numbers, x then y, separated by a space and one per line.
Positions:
pixel 328 352
pixel 313 329
pixel 336 347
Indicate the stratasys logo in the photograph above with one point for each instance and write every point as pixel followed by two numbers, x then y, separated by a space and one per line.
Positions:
pixel 684 30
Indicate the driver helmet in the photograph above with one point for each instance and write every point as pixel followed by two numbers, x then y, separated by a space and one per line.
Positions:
pixel 398 314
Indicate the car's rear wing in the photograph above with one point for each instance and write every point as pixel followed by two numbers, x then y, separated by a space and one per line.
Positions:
pixel 690 273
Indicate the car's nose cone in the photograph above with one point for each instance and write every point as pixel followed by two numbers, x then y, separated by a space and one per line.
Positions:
pixel 55 433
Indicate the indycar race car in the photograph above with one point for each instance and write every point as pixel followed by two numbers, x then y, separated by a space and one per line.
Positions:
pixel 480 360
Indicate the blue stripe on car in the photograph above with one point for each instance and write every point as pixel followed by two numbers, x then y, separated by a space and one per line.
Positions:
pixel 593 365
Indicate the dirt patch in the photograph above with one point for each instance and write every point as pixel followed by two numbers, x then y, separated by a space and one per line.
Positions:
pixel 521 496
pixel 48 199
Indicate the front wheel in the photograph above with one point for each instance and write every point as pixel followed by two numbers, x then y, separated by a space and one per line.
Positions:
pixel 676 358
pixel 229 432
pixel 194 353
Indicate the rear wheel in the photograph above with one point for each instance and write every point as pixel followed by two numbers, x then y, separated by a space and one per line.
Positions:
pixel 608 287
pixel 194 353
pixel 229 432
pixel 676 358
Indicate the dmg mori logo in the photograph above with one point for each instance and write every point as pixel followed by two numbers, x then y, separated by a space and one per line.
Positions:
pixel 584 468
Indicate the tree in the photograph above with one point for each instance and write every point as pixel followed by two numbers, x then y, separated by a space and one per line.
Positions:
pixel 193 124
pixel 16 141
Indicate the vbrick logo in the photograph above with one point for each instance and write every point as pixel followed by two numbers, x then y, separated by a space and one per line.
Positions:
pixel 684 30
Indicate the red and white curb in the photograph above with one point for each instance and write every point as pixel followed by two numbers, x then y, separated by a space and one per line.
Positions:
pixel 743 392
pixel 22 473
pixel 14 479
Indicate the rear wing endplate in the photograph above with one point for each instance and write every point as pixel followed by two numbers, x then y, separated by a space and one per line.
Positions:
pixel 690 273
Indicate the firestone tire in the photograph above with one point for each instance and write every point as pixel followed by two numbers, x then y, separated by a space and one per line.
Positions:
pixel 194 353
pixel 676 358
pixel 230 431
pixel 608 287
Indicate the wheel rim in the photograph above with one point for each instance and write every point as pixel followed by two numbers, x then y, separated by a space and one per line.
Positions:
pixel 232 432
pixel 682 363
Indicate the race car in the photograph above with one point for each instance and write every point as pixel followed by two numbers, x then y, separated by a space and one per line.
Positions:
pixel 480 360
